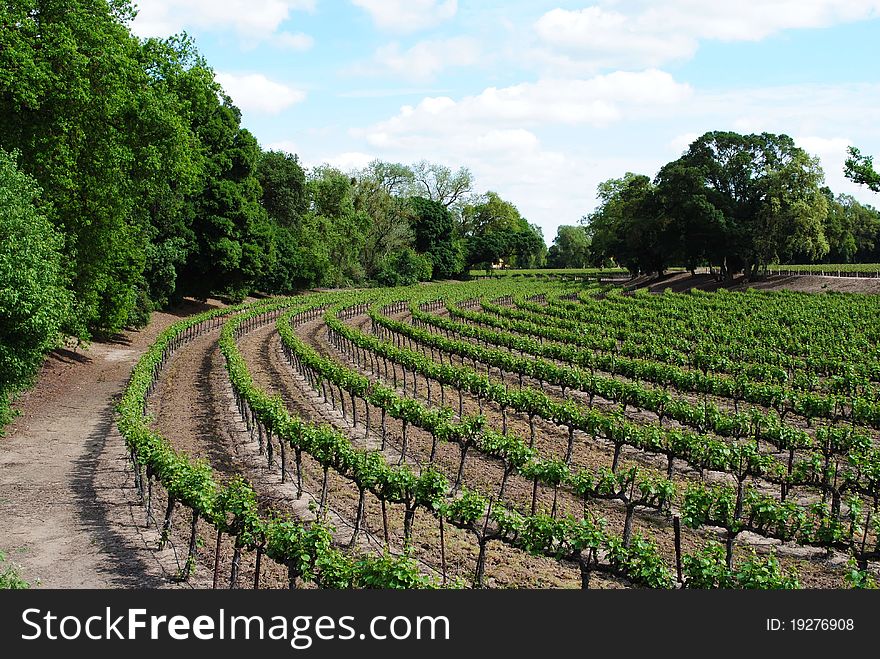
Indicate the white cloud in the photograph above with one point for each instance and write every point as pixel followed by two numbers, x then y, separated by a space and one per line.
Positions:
pixel 595 101
pixel 545 146
pixel 346 162
pixel 408 15
pixel 386 93
pixel 254 92
pixel 680 143
pixel 497 134
pixel 639 34
pixel 249 19
pixel 291 41
pixel 288 146
pixel 832 154
pixel 424 60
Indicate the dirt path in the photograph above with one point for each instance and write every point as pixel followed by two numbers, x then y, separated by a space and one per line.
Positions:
pixel 71 516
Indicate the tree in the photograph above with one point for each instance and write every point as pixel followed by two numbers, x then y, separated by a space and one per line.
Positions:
pixel 440 184
pixel 860 169
pixel 627 226
pixel 571 248
pixel 175 73
pixel 232 247
pixel 378 192
pixel 343 228
pixel 484 250
pixel 521 243
pixel 697 229
pixel 434 233
pixel 283 183
pixel 77 103
pixel 851 229
pixel 767 191
pixel 34 300
pixel 403 268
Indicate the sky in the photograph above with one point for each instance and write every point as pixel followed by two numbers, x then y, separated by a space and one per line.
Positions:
pixel 541 101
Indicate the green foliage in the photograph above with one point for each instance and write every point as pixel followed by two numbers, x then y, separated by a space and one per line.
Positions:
pixel 10 579
pixel 737 201
pixel 626 226
pixel 707 569
pixel 103 153
pixel 283 183
pixel 570 249
pixel 496 230
pixel 403 268
pixel 433 230
pixel 858 578
pixel 34 301
pixel 860 169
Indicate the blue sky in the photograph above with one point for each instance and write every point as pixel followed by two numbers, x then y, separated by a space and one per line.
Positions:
pixel 540 100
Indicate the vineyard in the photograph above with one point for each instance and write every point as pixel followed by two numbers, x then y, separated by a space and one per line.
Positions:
pixel 515 433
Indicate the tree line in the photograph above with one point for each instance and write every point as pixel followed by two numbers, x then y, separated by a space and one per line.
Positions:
pixel 128 183
pixel 735 202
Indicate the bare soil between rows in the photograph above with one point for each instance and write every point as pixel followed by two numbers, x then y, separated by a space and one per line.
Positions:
pixel 71 515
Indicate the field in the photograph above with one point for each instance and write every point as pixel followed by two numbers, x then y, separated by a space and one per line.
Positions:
pixel 552 272
pixel 829 269
pixel 515 434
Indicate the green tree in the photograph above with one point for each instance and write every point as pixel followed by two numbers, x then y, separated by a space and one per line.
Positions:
pixel 343 228
pixel 403 268
pixel 174 69
pixel 283 182
pixel 696 229
pixel 767 191
pixel 434 233
pixel 860 169
pixel 78 104
pixel 521 243
pixel 34 300
pixel 571 248
pixel 440 184
pixel 379 193
pixel 487 249
pixel 233 239
pixel 627 226
pixel 851 229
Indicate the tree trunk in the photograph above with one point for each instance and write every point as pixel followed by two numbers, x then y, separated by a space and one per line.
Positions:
pixel 217 559
pixel 283 461
pixel 481 563
pixel 359 518
pixel 299 473
pixel 322 506
pixel 236 564
pixel 628 524
pixel 586 572
pixel 257 568
pixel 508 469
pixel 570 450
pixel 403 446
pixel 191 554
pixel 617 448
pixel 464 451
pixel 409 514
pixel 166 525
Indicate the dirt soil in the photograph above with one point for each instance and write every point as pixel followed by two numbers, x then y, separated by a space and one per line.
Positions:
pixel 683 281
pixel 71 515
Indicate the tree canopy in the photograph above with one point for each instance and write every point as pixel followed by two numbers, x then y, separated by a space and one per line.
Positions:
pixel 736 201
